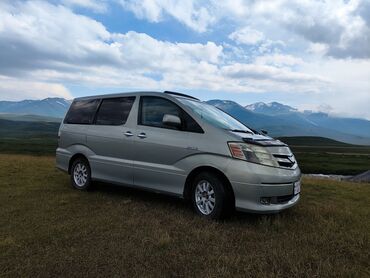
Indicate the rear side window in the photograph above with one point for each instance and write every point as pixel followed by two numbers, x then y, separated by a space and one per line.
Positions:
pixel 114 111
pixel 82 112
pixel 152 110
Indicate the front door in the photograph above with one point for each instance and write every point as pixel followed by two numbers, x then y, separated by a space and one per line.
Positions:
pixel 160 148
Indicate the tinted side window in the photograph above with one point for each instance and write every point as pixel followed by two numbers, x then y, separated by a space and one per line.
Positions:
pixel 152 110
pixel 114 111
pixel 190 124
pixel 82 112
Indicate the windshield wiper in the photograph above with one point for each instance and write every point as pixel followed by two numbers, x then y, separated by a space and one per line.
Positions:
pixel 241 130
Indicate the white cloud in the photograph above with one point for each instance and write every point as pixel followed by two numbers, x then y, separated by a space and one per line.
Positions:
pixel 349 93
pixel 318 49
pixel 247 36
pixel 324 107
pixel 99 6
pixel 332 23
pixel 89 54
pixel 342 26
pixel 279 60
pixel 140 50
pixel 46 47
pixel 190 13
pixel 40 35
pixel 271 79
pixel 146 9
pixel 18 89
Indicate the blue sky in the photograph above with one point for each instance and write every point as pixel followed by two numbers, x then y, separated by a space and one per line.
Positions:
pixel 309 54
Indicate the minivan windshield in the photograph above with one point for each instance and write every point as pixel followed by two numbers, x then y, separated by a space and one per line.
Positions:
pixel 215 116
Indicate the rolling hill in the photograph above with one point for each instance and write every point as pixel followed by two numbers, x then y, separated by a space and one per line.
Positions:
pixel 29 118
pixel 313 141
pixel 27 129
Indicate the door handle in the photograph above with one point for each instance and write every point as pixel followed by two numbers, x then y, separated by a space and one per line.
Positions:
pixel 142 135
pixel 128 133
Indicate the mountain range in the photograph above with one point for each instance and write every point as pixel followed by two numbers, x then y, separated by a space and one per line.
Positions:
pixel 282 120
pixel 49 107
pixel 276 118
pixel 272 108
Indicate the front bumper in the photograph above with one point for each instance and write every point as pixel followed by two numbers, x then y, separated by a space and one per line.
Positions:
pixel 253 202
pixel 253 184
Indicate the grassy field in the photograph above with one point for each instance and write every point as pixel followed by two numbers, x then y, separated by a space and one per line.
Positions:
pixel 35 145
pixel 49 229
pixel 325 156
pixel 20 137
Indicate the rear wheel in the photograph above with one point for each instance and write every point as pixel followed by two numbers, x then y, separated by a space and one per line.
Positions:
pixel 209 196
pixel 81 174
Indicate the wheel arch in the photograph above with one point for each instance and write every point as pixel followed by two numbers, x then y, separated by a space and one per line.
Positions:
pixel 74 157
pixel 219 173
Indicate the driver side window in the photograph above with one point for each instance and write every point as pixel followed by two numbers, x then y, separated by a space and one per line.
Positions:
pixel 152 109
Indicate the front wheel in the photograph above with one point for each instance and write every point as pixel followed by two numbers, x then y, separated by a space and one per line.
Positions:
pixel 209 196
pixel 80 174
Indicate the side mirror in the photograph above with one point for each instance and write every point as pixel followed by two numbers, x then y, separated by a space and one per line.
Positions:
pixel 263 131
pixel 171 120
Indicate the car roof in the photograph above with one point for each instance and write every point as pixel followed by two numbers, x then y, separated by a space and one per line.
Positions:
pixel 140 93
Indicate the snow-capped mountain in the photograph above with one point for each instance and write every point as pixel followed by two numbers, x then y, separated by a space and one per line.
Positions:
pixel 272 108
pixel 50 107
pixel 282 120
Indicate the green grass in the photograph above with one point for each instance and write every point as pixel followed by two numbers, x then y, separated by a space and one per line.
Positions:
pixel 21 129
pixel 49 229
pixel 20 137
pixel 38 145
pixel 328 163
pixel 326 156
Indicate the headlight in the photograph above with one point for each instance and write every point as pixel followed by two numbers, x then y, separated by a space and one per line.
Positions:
pixel 252 153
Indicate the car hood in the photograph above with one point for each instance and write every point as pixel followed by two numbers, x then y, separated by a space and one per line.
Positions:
pixel 258 139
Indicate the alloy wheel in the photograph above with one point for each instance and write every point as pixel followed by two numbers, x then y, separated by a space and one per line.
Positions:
pixel 205 197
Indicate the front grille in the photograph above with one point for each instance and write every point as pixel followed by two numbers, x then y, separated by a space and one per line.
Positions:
pixel 286 161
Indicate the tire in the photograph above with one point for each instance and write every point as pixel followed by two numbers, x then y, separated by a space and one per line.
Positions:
pixel 210 197
pixel 81 174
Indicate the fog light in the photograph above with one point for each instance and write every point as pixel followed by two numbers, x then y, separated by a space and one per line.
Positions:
pixel 265 200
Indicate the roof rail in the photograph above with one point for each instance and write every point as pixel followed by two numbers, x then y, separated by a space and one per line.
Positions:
pixel 179 94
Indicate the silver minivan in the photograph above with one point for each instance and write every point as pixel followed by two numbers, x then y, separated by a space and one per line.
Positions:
pixel 176 144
